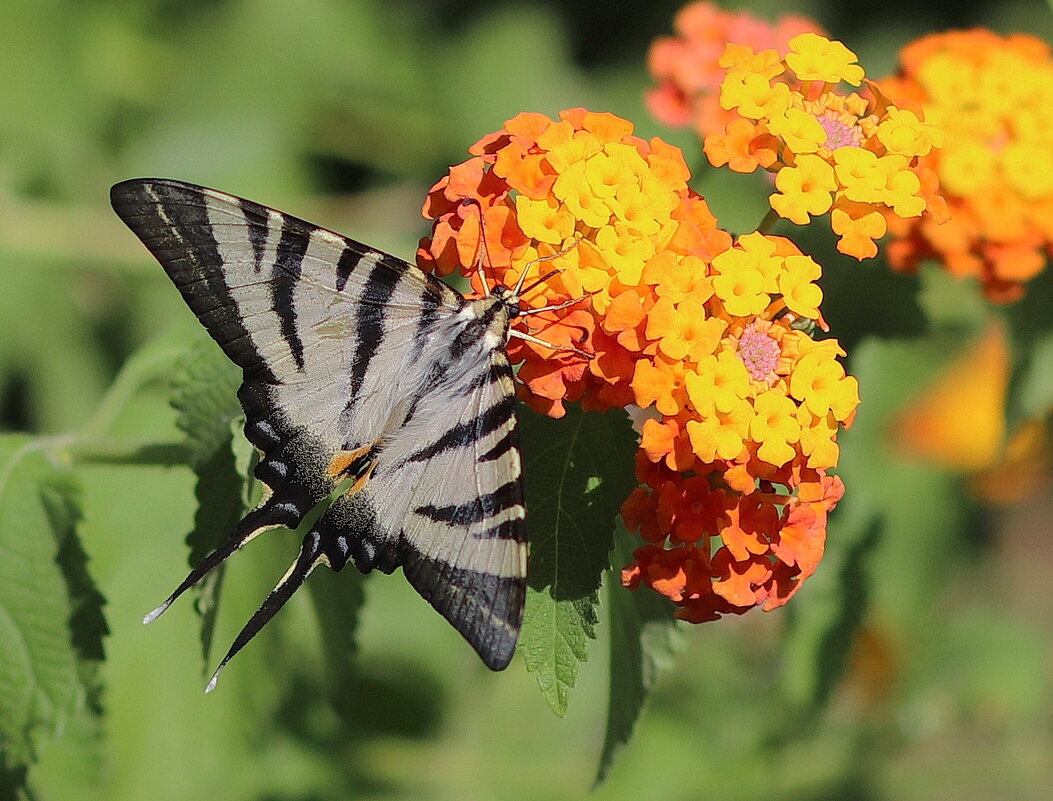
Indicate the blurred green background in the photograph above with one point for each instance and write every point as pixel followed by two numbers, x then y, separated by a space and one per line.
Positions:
pixel 915 665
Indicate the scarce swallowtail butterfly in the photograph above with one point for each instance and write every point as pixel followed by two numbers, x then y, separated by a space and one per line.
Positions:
pixel 357 367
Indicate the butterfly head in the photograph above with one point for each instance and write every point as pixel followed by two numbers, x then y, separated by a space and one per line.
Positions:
pixel 511 300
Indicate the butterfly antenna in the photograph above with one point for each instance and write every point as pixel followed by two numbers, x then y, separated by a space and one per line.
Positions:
pixel 249 527
pixel 308 559
pixel 521 292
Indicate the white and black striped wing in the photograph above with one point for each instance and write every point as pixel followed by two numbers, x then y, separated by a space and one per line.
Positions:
pixel 356 364
pixel 449 482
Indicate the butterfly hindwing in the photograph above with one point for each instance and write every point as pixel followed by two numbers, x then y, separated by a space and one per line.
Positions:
pixel 461 530
pixel 357 366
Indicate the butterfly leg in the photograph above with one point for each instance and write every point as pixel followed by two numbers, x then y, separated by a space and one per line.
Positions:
pixel 556 307
pixel 531 338
pixel 309 558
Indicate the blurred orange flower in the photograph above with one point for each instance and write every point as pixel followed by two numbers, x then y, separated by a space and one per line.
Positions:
pixel 958 421
pixel 687 66
pixel 992 95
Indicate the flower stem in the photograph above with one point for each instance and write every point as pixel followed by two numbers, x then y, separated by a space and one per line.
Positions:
pixel 768 222
pixel 106 451
pixel 91 443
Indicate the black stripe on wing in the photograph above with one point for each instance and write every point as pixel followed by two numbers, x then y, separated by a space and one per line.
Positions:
pixel 346 264
pixel 292 247
pixel 469 432
pixel 480 508
pixel 369 321
pixel 507 443
pixel 171 219
pixel 258 221
pixel 485 608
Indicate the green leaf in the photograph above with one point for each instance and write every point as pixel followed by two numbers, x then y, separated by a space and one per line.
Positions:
pixel 60 498
pixel 1035 396
pixel 205 394
pixel 51 622
pixel 338 600
pixel 644 639
pixel 577 472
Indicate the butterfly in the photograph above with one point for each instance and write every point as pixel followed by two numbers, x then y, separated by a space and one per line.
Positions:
pixel 361 369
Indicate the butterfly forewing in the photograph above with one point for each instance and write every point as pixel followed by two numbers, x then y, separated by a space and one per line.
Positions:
pixel 358 366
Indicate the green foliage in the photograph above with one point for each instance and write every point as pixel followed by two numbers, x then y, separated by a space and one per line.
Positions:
pixel 1036 384
pixel 203 392
pixel 574 482
pixel 51 620
pixel 643 642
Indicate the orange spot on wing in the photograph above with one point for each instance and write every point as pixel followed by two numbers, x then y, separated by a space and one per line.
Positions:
pixel 343 460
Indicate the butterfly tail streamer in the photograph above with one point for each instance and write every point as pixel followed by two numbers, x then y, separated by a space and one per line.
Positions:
pixel 252 525
pixel 309 558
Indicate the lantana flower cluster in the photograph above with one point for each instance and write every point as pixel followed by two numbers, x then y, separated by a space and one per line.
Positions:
pixel 993 97
pixel 856 155
pixel 734 457
pixel 687 65
pixel 584 199
pixel 706 340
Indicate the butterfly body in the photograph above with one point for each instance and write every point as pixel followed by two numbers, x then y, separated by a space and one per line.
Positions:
pixel 357 366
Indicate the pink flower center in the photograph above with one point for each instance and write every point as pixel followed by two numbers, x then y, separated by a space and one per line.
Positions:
pixel 759 352
pixel 839 133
